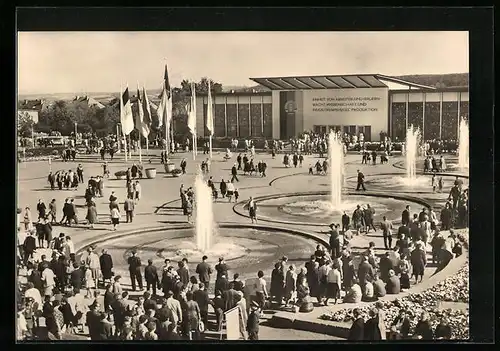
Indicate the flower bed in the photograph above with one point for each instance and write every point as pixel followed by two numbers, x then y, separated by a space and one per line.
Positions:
pixel 453 289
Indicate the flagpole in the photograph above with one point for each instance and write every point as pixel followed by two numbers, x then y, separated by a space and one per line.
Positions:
pixel 125 147
pixel 210 145
pixel 194 147
pixel 147 146
pixel 140 152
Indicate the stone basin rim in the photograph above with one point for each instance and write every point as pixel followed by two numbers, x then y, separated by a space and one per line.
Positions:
pixel 292 231
pixel 237 208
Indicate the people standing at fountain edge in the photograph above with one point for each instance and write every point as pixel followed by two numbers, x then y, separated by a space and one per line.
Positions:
pixel 252 209
pixel 334 241
pixel 129 207
pixel 405 216
pixel 204 271
pixel 41 208
pixel 361 181
pixel 79 172
pixel 52 180
pixel 386 226
pixel 134 268
pixel 151 277
pixel 368 214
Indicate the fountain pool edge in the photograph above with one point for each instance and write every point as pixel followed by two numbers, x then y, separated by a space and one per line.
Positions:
pixel 237 208
pixel 224 225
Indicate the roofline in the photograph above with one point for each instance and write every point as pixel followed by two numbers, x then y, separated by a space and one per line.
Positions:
pixel 376 75
pixel 436 90
pixel 241 93
pixel 404 82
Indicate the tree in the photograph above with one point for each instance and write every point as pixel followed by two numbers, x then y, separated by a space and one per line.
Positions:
pixel 25 124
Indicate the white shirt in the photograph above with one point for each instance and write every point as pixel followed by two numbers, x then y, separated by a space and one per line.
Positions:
pixel 138 187
pixel 333 277
pixel 48 277
pixel 69 248
pixel 230 187
pixel 115 213
pixel 34 293
pixel 260 285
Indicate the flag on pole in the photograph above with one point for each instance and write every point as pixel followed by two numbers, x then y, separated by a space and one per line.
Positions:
pixel 139 118
pixel 191 123
pixel 165 107
pixel 146 109
pixel 126 116
pixel 210 114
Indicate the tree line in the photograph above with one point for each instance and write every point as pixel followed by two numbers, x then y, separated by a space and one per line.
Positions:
pixel 62 115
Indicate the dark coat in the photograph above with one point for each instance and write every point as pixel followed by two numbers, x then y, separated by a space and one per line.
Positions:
pixel 372 330
pixel 202 299
pixel 356 332
pixel 221 269
pixel 184 275
pixel 424 329
pixel 365 269
pixel 393 285
pixel 106 262
pixel 29 244
pixel 105 330
pixel 76 278
pixel 204 270
pixel 151 274
pixel 253 322
pixel 231 298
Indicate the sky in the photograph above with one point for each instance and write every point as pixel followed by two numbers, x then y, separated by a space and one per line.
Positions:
pixel 76 62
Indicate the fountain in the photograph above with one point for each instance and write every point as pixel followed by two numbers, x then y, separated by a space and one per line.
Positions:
pixel 204 216
pixel 463 145
pixel 336 158
pixel 412 143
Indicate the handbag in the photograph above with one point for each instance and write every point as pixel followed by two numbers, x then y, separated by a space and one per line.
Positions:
pixel 201 326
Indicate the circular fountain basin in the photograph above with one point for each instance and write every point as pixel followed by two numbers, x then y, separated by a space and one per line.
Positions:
pixel 245 250
pixel 314 209
pixel 421 184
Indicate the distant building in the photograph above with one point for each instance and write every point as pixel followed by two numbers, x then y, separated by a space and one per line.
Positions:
pixel 91 102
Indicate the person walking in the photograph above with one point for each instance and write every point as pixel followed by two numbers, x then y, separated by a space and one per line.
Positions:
pixel 204 270
pixel 115 217
pixel 91 214
pixel 252 209
pixel 53 211
pixel 361 181
pixel 106 264
pixel 129 207
pixel 234 174
pixel 134 268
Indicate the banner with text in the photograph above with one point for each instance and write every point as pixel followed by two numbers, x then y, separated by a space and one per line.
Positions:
pixel 344 107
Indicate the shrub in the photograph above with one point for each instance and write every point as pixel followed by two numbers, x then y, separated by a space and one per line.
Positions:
pixel 120 173
pixel 176 171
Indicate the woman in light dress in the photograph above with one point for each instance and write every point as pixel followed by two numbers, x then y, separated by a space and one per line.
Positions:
pixel 28 220
pixel 115 217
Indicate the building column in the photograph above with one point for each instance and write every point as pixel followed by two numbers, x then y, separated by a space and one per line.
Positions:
pixel 423 116
pixel 250 116
pixel 440 115
pixel 225 117
pixel 407 98
pixel 389 127
pixel 262 114
pixel 237 116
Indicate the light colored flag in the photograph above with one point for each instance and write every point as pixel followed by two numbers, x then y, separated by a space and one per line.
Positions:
pixel 210 113
pixel 126 116
pixel 139 118
pixel 146 110
pixel 165 107
pixel 191 123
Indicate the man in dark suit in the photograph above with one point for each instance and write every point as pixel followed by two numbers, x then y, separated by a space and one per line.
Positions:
pixel 29 247
pixel 76 277
pixel 183 273
pixel 204 271
pixel 345 222
pixel 134 268
pixel 231 298
pixel 151 276
pixel 361 181
pixel 334 241
pixel 221 268
pixel 203 300
pixel 356 333
pixel 405 216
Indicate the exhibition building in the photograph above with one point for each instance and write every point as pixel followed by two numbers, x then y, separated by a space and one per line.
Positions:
pixel 373 104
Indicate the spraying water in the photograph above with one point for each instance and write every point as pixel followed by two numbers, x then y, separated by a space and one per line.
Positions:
pixel 336 160
pixel 204 216
pixel 412 142
pixel 463 144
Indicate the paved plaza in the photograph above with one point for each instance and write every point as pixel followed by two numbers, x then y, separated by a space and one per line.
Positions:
pixel 158 215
